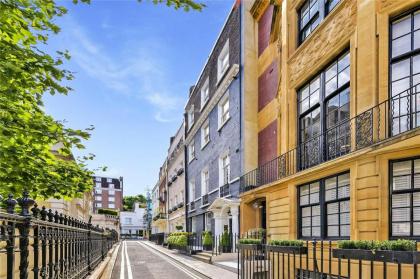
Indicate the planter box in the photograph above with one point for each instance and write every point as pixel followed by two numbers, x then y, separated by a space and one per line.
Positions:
pixel 287 249
pixel 402 257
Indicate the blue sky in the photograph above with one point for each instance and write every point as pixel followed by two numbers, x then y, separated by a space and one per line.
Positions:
pixel 133 63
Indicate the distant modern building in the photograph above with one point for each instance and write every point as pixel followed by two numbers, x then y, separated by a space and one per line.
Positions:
pixel 213 136
pixel 176 182
pixel 147 216
pixel 131 222
pixel 107 193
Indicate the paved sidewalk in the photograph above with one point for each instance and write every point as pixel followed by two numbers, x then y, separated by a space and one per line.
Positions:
pixel 208 270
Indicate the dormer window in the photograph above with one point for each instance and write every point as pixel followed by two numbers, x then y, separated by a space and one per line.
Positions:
pixel 205 93
pixel 223 61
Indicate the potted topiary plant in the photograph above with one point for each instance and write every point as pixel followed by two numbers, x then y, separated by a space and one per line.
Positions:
pixel 225 243
pixel 390 251
pixel 207 241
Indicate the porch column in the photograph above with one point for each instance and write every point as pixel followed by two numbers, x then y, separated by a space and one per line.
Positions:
pixel 218 226
pixel 234 211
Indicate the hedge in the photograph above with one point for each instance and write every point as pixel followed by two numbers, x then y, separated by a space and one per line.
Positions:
pixel 386 245
pixel 107 212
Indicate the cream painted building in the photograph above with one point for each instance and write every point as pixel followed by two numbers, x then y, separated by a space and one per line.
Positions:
pixel 176 182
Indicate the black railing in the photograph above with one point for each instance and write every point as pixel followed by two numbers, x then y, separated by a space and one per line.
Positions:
pixel 158 238
pixel 322 259
pixel 381 122
pixel 216 245
pixel 40 243
pixel 159 216
pixel 224 191
pixel 205 199
pixel 192 206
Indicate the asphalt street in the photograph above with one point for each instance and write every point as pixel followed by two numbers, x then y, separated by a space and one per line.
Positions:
pixel 137 260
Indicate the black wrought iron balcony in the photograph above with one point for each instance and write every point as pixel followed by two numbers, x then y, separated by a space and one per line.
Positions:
pixel 181 204
pixel 192 206
pixel 205 199
pixel 159 216
pixel 224 191
pixel 388 119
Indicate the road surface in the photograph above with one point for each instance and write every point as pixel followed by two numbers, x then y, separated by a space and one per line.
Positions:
pixel 137 260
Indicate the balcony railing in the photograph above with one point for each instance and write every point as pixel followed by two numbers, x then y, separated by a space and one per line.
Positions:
pixel 390 118
pixel 205 199
pixel 224 191
pixel 192 206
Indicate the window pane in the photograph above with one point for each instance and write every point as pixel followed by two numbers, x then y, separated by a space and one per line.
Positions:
pixel 345 206
pixel 416 20
pixel 401 69
pixel 306 221
pixel 330 86
pixel 401 229
pixel 333 230
pixel 400 200
pixel 344 179
pixel 316 221
pixel 416 213
pixel 401 168
pixel 401 45
pixel 306 231
pixel 331 72
pixel 343 192
pixel 314 98
pixel 344 62
pixel 345 230
pixel 304 190
pixel 332 219
pixel 306 211
pixel 400 214
pixel 400 87
pixel 401 183
pixel 401 27
pixel 417 166
pixel 344 77
pixel 330 183
pixel 345 218
pixel 416 39
pixel 330 194
pixel 416 228
pixel 316 210
pixel 316 231
pixel 332 208
pixel 416 199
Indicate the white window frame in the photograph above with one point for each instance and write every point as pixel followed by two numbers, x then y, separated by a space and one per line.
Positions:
pixel 111 205
pixel 191 151
pixel 111 186
pixel 205 93
pixel 205 133
pixel 128 220
pixel 223 116
pixel 98 179
pixel 191 189
pixel 222 169
pixel 98 198
pixel 111 192
pixel 111 199
pixel 205 181
pixel 98 191
pixel 98 204
pixel 98 185
pixel 223 61
pixel 109 180
pixel 190 117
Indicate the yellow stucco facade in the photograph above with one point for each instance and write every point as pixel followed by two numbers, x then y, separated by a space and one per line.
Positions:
pixel 362 27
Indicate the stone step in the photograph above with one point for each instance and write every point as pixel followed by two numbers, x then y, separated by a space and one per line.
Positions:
pixel 202 256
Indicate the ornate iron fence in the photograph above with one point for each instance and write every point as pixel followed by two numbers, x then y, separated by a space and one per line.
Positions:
pixel 40 243
pixel 322 259
pixel 388 119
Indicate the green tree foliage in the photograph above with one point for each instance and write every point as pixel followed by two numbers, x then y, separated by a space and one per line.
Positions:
pixel 128 201
pixel 27 133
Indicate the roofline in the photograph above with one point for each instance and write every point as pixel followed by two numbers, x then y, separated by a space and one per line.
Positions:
pixel 212 49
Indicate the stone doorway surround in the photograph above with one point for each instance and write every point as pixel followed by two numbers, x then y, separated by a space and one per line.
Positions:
pixel 223 209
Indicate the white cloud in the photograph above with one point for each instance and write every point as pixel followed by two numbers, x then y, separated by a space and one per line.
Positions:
pixel 136 71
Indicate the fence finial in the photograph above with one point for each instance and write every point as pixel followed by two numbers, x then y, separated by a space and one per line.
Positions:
pixel 10 204
pixel 35 210
pixel 25 203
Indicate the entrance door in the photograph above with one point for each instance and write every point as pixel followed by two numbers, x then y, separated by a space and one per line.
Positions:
pixel 263 215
